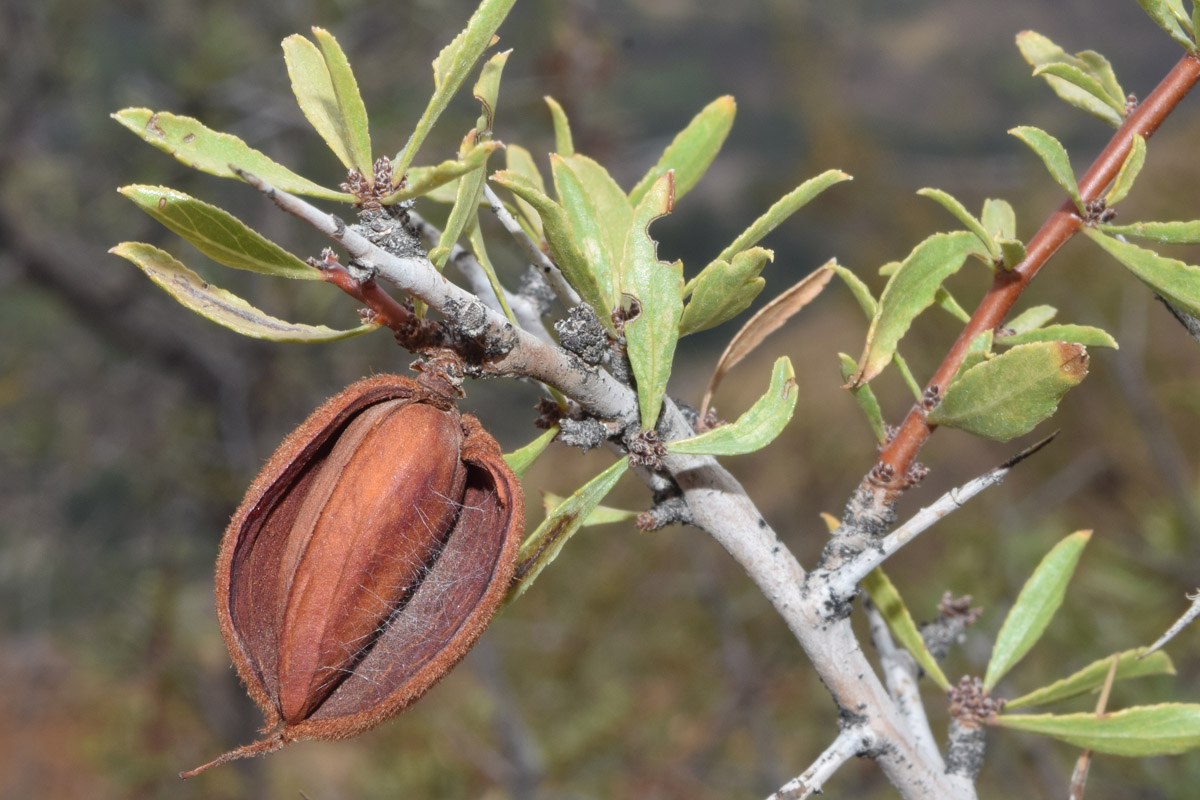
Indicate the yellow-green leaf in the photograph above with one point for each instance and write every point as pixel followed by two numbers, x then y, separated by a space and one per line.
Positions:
pixel 335 111
pixel 216 153
pixel 1128 173
pixel 520 161
pixel 519 461
pixel 999 219
pixel 1161 232
pixel 218 234
pixel 658 289
pixel 1007 396
pixel 1040 52
pixel 487 89
pixel 589 231
pixel 1161 12
pixel 885 597
pixel 1036 605
pixel 948 202
pixel 353 112
pixel 754 429
pixel 613 209
pixel 1054 156
pixel 783 208
pixel 422 181
pixel 544 544
pixel 865 399
pixel 723 290
pixel 1139 732
pixel 564 145
pixel 1076 334
pixel 1092 677
pixel 911 290
pixel 1031 319
pixel 1174 280
pixel 601 514
pixel 220 306
pixel 692 150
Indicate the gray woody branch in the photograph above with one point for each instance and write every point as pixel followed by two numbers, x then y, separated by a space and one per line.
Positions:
pixel 718 503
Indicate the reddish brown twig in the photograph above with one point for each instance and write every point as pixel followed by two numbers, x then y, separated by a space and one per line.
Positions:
pixel 1007 286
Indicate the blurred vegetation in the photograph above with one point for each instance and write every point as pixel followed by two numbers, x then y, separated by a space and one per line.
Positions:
pixel 641 665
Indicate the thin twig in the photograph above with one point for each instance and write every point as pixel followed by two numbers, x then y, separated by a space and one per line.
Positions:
pixel 900 673
pixel 845 578
pixel 849 743
pixel 1188 617
pixel 1080 775
pixel 1058 228
pixel 549 270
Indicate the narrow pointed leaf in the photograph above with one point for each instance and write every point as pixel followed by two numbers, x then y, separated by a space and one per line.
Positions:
pixel 783 208
pixel 318 99
pixel 353 112
pixel 1040 51
pixel 1128 173
pixel 451 69
pixel 479 248
pixel 487 89
pixel 589 230
pixel 220 306
pixel 865 399
pixel 462 214
pixel 217 233
pixel 209 151
pixel 613 209
pixel 723 290
pixel 1139 732
pixel 1176 281
pixel 544 544
pixel 1084 81
pixel 1076 334
pixel 692 150
pixel 520 161
pixel 885 597
pixel 999 219
pixel 1031 319
pixel 1054 156
pixel 1007 396
pixel 658 289
pixel 601 514
pixel 1037 604
pixel 754 429
pixel 769 319
pixel 911 290
pixel 422 181
pixel 948 202
pixel 519 461
pixel 564 249
pixel 861 292
pixel 1092 677
pixel 564 144
pixel 1161 232
pixel 947 303
pixel 1160 12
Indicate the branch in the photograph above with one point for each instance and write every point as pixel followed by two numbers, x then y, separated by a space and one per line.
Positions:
pixel 849 743
pixel 901 672
pixel 1008 285
pixel 1188 618
pixel 549 270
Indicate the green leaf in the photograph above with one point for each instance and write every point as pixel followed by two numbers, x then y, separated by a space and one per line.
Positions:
pixel 658 289
pixel 216 153
pixel 220 306
pixel 946 302
pixel 487 89
pixel 999 219
pixel 782 209
pixel 865 399
pixel 948 202
pixel 1140 732
pixel 1076 334
pixel 1161 232
pixel 450 71
pixel 613 209
pixel 885 597
pixel 422 181
pixel 352 110
pixel 560 238
pixel 1054 156
pixel 1128 173
pixel 911 289
pixel 564 145
pixel 519 461
pixel 1037 604
pixel 1012 252
pixel 544 544
pixel 723 290
pixel 861 292
pixel 692 150
pixel 979 351
pixel 327 110
pixel 1084 81
pixel 1174 280
pixel 1031 319
pixel 754 429
pixel 463 215
pixel 520 161
pixel 1160 12
pixel 601 515
pixel 1010 394
pixel 1093 676
pixel 217 233
pixel 599 233
pixel 1040 51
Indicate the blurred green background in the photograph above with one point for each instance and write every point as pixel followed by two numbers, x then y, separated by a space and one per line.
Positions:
pixel 640 665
